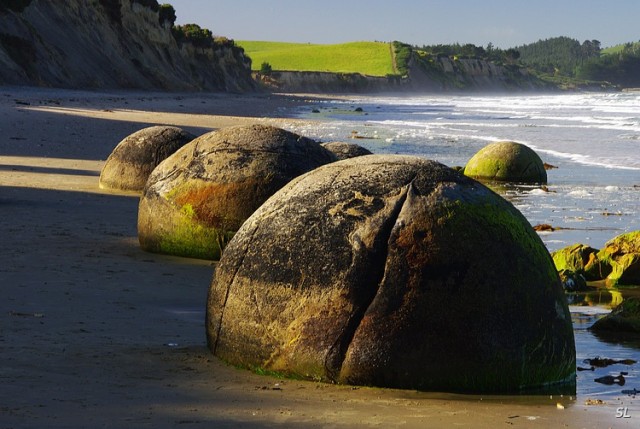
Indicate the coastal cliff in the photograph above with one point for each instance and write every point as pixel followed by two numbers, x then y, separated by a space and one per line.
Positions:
pixel 442 75
pixel 111 44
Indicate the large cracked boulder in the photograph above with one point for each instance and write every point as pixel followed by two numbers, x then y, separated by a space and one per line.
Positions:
pixel 197 198
pixel 507 161
pixel 131 162
pixel 392 271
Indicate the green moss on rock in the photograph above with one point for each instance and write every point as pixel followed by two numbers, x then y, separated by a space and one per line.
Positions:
pixel 620 258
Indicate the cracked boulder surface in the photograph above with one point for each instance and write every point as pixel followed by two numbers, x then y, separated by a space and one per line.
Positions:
pixel 131 162
pixel 392 271
pixel 507 161
pixel 197 198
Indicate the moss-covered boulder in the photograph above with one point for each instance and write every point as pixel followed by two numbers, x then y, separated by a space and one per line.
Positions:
pixel 507 161
pixel 129 165
pixel 197 198
pixel 622 257
pixel 392 271
pixel 344 150
pixel 579 258
pixel 625 318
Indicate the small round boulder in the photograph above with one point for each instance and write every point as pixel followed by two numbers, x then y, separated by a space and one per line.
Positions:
pixel 507 162
pixel 197 198
pixel 343 150
pixel 129 165
pixel 392 271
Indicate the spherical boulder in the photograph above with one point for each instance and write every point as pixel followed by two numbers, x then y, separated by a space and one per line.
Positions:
pixel 506 161
pixel 197 198
pixel 129 165
pixel 343 150
pixel 392 271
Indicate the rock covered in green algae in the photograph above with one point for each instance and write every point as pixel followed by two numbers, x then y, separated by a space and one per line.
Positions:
pixel 622 254
pixel 579 259
pixel 197 198
pixel 392 271
pixel 506 161
pixel 625 318
pixel 343 150
pixel 131 162
pixel 618 261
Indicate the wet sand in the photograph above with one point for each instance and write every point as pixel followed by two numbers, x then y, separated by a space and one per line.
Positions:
pixel 96 333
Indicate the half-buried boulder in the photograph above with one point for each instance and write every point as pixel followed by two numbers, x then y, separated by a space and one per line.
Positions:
pixel 344 150
pixel 507 162
pixel 392 271
pixel 197 198
pixel 129 165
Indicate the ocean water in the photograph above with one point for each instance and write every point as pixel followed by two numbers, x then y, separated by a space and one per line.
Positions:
pixel 593 139
pixel 593 195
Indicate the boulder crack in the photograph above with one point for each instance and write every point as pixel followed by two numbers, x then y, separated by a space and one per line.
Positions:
pixel 363 276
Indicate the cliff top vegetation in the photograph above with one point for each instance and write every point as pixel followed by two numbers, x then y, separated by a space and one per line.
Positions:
pixel 367 58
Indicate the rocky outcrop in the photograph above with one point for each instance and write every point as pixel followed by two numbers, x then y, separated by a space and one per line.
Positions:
pixel 618 262
pixel 392 271
pixel 111 44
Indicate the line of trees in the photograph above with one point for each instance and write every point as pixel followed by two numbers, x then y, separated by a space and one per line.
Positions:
pixel 559 57
pixel 469 50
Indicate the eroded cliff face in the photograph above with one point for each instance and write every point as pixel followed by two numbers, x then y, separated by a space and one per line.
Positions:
pixel 111 44
pixel 443 75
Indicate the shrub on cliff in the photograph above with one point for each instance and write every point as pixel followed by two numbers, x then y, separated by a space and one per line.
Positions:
pixel 167 13
pixel 194 34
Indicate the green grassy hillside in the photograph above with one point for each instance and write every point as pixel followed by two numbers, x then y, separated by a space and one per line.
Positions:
pixel 618 49
pixel 368 58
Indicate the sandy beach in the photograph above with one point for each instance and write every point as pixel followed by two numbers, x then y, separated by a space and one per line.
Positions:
pixel 95 332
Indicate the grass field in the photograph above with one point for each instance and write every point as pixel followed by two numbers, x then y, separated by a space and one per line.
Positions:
pixel 368 58
pixel 619 48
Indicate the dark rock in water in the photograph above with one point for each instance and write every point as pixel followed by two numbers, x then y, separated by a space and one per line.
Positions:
pixel 625 318
pixel 344 150
pixel 134 158
pixel 392 271
pixel 507 162
pixel 572 281
pixel 196 199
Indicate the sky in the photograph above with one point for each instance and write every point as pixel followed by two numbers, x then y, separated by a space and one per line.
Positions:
pixel 504 23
